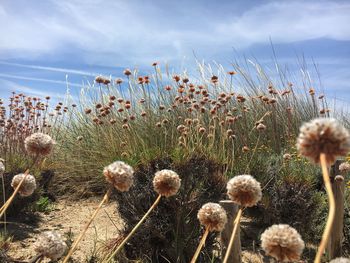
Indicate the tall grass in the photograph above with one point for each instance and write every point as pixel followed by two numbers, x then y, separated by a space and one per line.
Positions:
pixel 213 112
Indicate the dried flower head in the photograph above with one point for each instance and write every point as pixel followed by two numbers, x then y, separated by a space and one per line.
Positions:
pixel 51 245
pixel 120 175
pixel 282 242
pixel 344 167
pixel 261 127
pixel 28 186
pixel 323 135
pixel 287 156
pixel 127 72
pixel 244 190
pixel 166 182
pixel 340 260
pixel 39 144
pixel 212 216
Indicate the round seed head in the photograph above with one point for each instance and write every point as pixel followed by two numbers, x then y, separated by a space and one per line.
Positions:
pixel 120 175
pixel 340 260
pixel 283 243
pixel 287 156
pixel 166 182
pixel 323 135
pixel 344 167
pixel 28 186
pixel 261 127
pixel 39 144
pixel 51 245
pixel 244 190
pixel 212 216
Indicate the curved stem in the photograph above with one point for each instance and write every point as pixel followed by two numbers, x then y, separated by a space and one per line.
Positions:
pixel 201 244
pixel 77 241
pixel 134 229
pixel 233 235
pixel 331 214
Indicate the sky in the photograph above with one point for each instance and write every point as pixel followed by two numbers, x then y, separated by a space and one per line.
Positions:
pixel 47 44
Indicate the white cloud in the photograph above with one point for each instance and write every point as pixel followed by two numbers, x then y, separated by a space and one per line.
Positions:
pixel 54 69
pixel 41 80
pixel 290 21
pixel 136 32
pixel 10 86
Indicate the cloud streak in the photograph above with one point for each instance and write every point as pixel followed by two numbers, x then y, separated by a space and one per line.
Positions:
pixel 54 69
pixel 41 80
pixel 131 32
pixel 10 86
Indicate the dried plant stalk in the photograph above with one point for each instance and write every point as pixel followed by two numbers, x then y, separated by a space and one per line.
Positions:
pixel 234 231
pixel 331 214
pixel 10 200
pixel 201 244
pixel 77 241
pixel 134 229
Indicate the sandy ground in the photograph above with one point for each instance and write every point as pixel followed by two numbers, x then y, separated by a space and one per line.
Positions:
pixel 68 217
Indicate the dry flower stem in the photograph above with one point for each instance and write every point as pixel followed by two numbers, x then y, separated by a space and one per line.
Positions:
pixel 77 241
pixel 201 244
pixel 9 201
pixel 134 229
pixel 4 200
pixel 331 214
pixel 234 231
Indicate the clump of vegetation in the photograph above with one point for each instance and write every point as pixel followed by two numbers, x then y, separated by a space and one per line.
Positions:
pixel 25 126
pixel 207 127
pixel 286 201
pixel 172 231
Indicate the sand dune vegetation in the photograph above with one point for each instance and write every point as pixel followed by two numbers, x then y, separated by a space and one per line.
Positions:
pixel 165 148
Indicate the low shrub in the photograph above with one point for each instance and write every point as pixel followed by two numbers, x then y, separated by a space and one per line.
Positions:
pixel 172 232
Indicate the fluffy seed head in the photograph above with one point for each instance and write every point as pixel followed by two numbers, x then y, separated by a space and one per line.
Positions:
pixel 51 245
pixel 283 243
pixel 212 216
pixel 39 144
pixel 344 167
pixel 166 182
pixel 120 175
pixel 323 135
pixel 340 260
pixel 28 186
pixel 244 190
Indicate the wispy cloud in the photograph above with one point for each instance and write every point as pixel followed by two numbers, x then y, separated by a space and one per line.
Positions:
pixel 133 31
pixel 54 69
pixel 41 80
pixel 290 21
pixel 10 86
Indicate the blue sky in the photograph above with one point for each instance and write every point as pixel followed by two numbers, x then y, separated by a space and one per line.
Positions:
pixel 43 41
